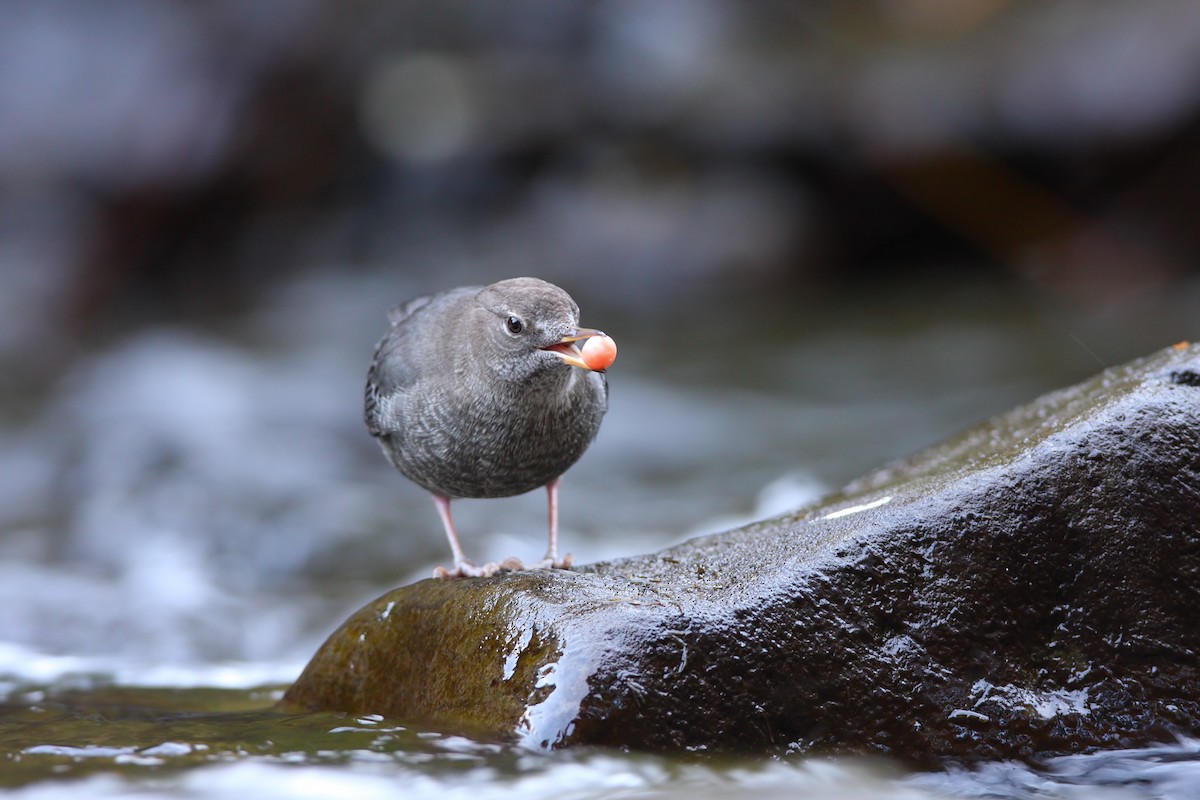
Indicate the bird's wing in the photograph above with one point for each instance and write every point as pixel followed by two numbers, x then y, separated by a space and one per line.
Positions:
pixel 399 313
pixel 372 394
pixel 394 367
pixel 391 370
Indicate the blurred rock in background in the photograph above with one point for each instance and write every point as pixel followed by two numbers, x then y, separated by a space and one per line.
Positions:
pixel 167 160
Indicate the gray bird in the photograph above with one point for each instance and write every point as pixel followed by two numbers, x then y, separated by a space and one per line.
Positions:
pixel 481 392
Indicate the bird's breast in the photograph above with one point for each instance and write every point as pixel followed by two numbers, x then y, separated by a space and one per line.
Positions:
pixel 498 443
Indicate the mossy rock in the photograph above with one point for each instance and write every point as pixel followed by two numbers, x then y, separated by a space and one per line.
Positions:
pixel 1029 587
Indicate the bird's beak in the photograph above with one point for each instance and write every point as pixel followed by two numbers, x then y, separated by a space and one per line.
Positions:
pixel 566 349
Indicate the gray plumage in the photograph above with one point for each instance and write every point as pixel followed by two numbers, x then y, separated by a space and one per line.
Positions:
pixel 472 393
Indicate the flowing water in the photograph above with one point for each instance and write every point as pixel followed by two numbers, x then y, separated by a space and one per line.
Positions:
pixel 185 513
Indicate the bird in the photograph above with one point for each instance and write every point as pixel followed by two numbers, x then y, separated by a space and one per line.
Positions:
pixel 481 392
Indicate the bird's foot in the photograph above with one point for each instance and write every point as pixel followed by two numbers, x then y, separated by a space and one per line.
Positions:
pixel 465 569
pixel 550 562
pixel 512 563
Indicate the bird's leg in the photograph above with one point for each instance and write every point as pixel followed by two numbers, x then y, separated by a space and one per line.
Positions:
pixel 552 560
pixel 462 567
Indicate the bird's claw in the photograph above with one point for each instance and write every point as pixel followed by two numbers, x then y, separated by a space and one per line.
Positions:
pixel 465 569
pixel 550 562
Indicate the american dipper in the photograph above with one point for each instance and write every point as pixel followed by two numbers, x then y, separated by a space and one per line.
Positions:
pixel 481 392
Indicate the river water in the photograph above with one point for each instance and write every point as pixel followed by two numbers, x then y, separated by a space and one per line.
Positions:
pixel 186 512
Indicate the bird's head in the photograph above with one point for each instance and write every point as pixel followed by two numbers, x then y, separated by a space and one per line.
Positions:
pixel 530 327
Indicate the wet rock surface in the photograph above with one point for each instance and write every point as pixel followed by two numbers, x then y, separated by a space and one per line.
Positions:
pixel 1029 587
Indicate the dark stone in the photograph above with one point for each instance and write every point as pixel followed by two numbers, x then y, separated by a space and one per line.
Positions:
pixel 1187 377
pixel 1029 587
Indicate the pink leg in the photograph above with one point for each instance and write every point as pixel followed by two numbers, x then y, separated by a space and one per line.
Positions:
pixel 552 559
pixel 462 567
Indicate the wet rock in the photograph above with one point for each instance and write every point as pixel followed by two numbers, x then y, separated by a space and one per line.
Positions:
pixel 1029 587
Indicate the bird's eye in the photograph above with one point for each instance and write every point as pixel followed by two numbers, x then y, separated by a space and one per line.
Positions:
pixel 515 325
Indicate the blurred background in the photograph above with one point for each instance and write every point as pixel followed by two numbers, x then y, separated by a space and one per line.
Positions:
pixel 823 234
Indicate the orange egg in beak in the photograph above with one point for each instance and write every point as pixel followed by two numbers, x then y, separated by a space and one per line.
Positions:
pixel 591 357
